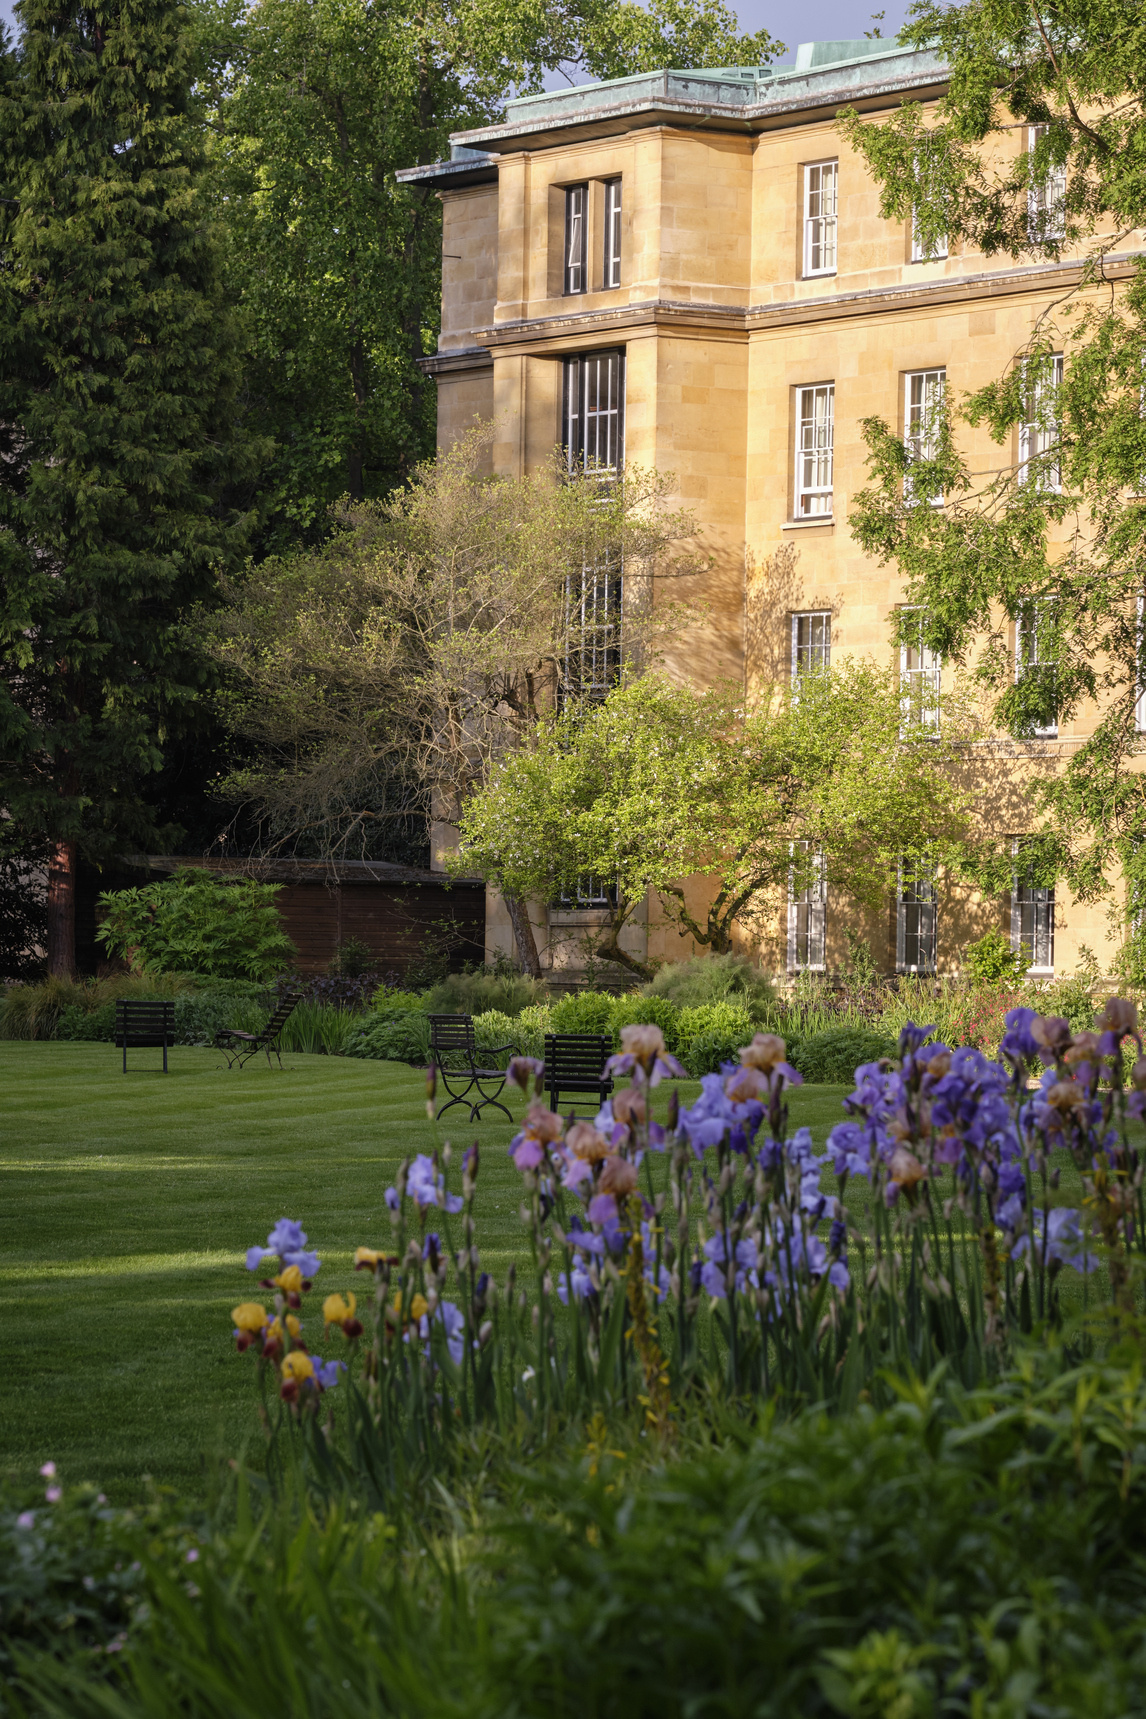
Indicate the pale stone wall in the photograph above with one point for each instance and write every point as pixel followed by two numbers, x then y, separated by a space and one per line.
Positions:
pixel 719 329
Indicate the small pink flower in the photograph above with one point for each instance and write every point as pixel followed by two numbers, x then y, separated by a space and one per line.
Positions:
pixel 26 1519
pixel 49 1471
pixel 193 1555
pixel 54 1494
pixel 102 1498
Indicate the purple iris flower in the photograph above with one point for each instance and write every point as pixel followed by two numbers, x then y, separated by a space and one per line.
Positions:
pixel 455 1325
pixel 287 1237
pixel 577 1170
pixel 797 1253
pixel 1065 1241
pixel 849 1150
pixel 326 1372
pixel 527 1152
pixel 427 1187
pixel 587 1240
pixel 578 1280
pixel 392 1199
pixel 602 1209
pixel 1017 1042
pixel 308 1263
pixel 714 1273
pixel 256 1256
pixel 432 1244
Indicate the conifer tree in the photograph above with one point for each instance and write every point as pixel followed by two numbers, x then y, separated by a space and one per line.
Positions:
pixel 117 377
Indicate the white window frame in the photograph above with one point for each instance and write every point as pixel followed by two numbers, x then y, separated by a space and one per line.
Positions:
pixel 919 255
pixel 916 895
pixel 918 427
pixel 575 278
pixel 593 410
pixel 821 217
pixel 1027 653
pixel 815 450
pixel 920 681
pixel 611 273
pixel 1045 215
pixel 808 914
pixel 1039 434
pixel 813 651
pixel 1036 901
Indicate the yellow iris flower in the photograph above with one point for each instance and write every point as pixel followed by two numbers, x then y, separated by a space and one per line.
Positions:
pixel 368 1256
pixel 418 1306
pixel 290 1280
pixel 335 1309
pixel 298 1366
pixel 249 1316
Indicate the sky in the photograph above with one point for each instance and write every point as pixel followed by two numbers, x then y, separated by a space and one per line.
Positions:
pixel 789 21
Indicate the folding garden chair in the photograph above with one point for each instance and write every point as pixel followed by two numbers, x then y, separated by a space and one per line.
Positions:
pixel 239 1047
pixel 139 1025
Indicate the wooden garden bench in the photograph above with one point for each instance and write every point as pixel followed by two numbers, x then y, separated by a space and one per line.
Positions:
pixel 575 1062
pixel 239 1047
pixel 143 1026
pixel 454 1052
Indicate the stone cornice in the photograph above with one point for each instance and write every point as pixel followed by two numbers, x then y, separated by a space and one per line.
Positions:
pixel 571 330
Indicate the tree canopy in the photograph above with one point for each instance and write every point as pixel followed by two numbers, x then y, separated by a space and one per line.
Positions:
pixel 118 380
pixel 660 782
pixel 1029 576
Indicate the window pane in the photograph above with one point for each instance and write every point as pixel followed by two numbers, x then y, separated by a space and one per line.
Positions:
pixel 920 671
pixel 815 449
pixel 612 274
pixel 807 908
pixel 820 183
pixel 576 198
pixel 917 922
pixel 811 642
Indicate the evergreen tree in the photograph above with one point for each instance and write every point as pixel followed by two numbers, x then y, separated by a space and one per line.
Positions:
pixel 117 377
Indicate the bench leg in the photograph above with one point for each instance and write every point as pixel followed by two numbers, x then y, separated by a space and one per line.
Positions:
pixel 125 1053
pixel 165 1053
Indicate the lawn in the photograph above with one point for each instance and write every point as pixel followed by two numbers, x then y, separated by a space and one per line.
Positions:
pixel 129 1201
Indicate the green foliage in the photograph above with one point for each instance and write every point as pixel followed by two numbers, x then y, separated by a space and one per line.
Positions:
pixel 713 979
pixel 833 1056
pixel 531 1026
pixel 1052 541
pixel 990 960
pixel 660 1011
pixel 386 1002
pixel 583 1012
pixel 193 923
pixel 317 1029
pixel 33 1011
pixel 353 959
pixel 395 1038
pixel 658 782
pixel 711 1034
pixel 71 1580
pixel 493 1030
pixel 118 379
pixel 474 993
pixel 935 1555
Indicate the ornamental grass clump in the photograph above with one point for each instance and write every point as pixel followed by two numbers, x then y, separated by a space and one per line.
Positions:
pixel 719 1257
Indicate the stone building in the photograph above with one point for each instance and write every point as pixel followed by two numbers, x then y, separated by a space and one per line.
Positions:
pixel 689 270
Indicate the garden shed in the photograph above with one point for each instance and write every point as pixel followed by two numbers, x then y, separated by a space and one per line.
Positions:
pixel 399 912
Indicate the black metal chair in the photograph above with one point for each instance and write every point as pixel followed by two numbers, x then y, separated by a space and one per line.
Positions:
pixel 143 1026
pixel 239 1047
pixel 575 1062
pixel 454 1051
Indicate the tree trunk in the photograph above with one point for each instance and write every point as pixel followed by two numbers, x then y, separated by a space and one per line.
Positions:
pixel 62 910
pixel 523 935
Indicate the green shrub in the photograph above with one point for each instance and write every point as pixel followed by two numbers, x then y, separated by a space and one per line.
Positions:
pixel 319 1029
pixel 990 960
pixel 832 1057
pixel 33 1011
pixel 583 1012
pixel 531 1026
pixel 628 1011
pixel 475 993
pixel 198 1017
pixel 385 1002
pixel 714 979
pixel 955 1553
pixel 194 923
pixel 395 1038
pixel 495 1028
pixel 711 1034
